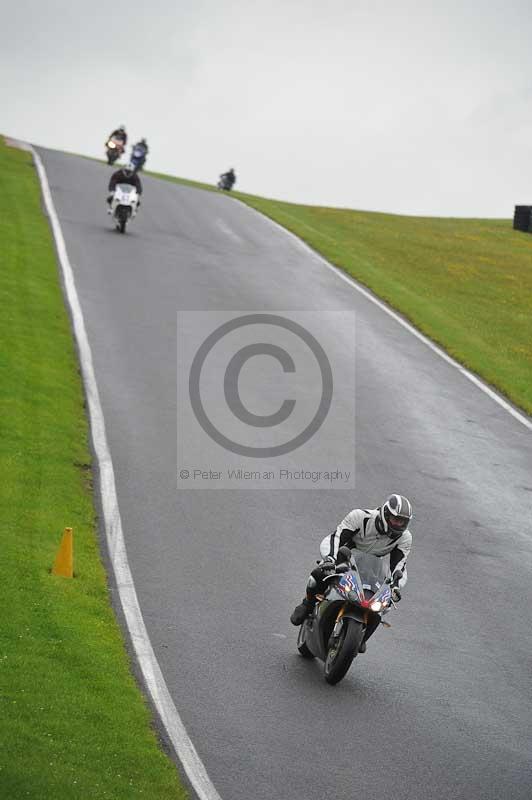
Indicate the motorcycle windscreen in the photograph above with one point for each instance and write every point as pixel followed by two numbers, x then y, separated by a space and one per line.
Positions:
pixel 373 570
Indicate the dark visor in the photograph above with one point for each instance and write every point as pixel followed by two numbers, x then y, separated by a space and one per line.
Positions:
pixel 398 523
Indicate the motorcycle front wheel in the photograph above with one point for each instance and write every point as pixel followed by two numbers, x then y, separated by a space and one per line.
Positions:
pixel 344 649
pixel 121 219
pixel 301 644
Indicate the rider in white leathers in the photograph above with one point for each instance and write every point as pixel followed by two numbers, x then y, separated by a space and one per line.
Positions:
pixel 382 531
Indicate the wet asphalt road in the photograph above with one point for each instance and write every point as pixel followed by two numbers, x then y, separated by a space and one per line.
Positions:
pixel 440 705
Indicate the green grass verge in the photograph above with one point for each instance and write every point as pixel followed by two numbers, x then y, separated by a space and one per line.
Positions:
pixel 73 723
pixel 466 283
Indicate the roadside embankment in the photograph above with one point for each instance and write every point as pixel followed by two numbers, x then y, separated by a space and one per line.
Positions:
pixel 74 723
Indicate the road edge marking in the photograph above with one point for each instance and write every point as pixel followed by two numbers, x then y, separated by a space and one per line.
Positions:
pixel 479 383
pixel 149 666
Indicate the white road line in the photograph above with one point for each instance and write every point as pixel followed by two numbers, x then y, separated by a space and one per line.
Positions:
pixel 524 420
pixel 151 670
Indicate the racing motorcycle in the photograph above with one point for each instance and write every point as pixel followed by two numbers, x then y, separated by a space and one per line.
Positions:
pixel 138 157
pixel 114 149
pixel 225 183
pixel 124 205
pixel 351 608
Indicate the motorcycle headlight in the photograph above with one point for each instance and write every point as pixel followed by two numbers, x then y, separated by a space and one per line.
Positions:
pixel 376 605
pixel 111 145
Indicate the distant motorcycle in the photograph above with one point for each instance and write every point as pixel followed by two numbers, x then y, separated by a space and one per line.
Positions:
pixel 124 205
pixel 348 612
pixel 138 157
pixel 225 183
pixel 114 149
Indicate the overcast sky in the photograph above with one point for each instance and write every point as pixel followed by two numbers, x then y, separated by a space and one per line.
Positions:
pixel 410 106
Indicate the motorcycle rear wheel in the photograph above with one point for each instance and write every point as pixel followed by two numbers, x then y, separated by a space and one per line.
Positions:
pixel 341 655
pixel 301 645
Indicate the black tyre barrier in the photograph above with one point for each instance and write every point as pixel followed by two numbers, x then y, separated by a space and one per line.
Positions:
pixel 523 219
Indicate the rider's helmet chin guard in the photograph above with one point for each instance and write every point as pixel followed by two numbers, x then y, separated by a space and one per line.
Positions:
pixel 394 516
pixel 128 170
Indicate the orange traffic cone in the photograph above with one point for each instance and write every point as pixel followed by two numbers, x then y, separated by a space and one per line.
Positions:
pixel 64 560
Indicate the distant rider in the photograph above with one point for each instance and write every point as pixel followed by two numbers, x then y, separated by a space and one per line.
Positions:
pixel 143 147
pixel 228 178
pixel 119 134
pixel 125 174
pixel 143 144
pixel 380 531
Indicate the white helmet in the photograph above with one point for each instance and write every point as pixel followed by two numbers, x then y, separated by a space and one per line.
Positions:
pixel 128 169
pixel 395 515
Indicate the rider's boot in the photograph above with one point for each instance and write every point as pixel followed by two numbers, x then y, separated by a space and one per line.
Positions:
pixel 301 612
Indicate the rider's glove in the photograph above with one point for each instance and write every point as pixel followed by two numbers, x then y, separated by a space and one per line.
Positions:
pixel 396 594
pixel 344 555
pixel 328 563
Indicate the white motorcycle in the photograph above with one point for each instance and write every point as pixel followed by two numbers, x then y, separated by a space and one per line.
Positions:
pixel 124 205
